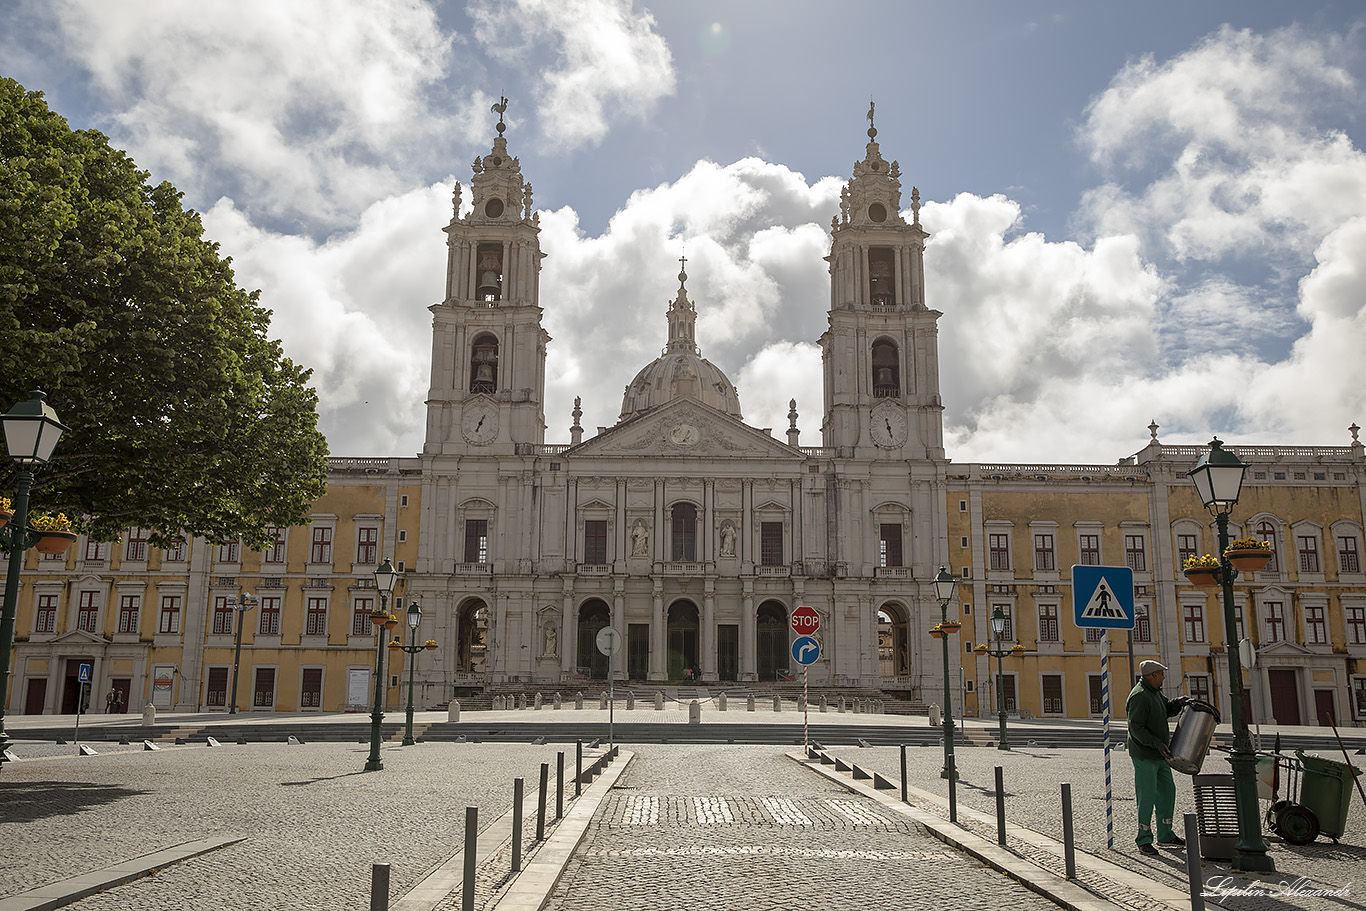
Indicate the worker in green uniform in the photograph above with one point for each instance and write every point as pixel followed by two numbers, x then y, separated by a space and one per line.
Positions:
pixel 1148 710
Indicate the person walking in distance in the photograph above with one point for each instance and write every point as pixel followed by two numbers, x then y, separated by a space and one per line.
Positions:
pixel 110 700
pixel 1148 710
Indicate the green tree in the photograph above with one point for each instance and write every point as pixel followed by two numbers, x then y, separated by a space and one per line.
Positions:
pixel 184 415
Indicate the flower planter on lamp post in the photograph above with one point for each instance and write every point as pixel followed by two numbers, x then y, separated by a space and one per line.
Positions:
pixel 385 577
pixel 411 650
pixel 1218 478
pixel 998 627
pixel 31 430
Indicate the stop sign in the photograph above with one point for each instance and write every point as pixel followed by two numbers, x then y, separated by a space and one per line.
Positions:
pixel 805 621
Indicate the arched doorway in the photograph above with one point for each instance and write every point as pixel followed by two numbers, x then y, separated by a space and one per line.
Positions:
pixel 594 615
pixel 771 640
pixel 893 646
pixel 682 640
pixel 472 650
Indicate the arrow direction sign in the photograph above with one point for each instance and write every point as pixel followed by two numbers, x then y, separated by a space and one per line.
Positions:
pixel 805 650
pixel 1103 596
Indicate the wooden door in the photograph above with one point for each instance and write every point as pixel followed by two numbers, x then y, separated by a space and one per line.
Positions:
pixel 1323 708
pixel 36 697
pixel 1285 695
pixel 728 651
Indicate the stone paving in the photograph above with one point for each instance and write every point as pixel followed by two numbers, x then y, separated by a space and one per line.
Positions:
pixel 314 821
pixel 705 827
pixel 1033 777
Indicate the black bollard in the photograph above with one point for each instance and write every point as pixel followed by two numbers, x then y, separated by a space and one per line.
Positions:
pixel 1069 851
pixel 578 769
pixel 559 785
pixel 953 792
pixel 1000 806
pixel 379 887
pixel 540 802
pixel 471 855
pixel 903 774
pixel 517 787
pixel 1193 871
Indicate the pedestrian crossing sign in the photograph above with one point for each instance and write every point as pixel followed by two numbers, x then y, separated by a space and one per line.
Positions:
pixel 1103 596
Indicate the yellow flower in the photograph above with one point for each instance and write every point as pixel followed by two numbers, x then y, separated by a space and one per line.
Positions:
pixel 1204 561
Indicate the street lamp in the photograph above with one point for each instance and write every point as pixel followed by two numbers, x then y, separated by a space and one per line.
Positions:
pixel 31 430
pixel 245 602
pixel 411 650
pixel 385 577
pixel 1218 478
pixel 998 629
pixel 945 585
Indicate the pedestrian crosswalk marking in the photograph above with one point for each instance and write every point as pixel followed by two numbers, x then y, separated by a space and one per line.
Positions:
pixel 710 811
pixel 855 812
pixel 771 850
pixel 785 812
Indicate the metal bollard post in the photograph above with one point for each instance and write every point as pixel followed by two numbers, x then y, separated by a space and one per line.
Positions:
pixel 953 792
pixel 517 788
pixel 1000 806
pixel 1193 870
pixel 578 768
pixel 540 802
pixel 1069 851
pixel 559 785
pixel 379 887
pixel 903 774
pixel 471 854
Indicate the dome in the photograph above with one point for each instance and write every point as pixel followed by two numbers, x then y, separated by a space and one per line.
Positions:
pixel 680 371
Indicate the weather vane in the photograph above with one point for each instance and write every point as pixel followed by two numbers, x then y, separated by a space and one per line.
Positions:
pixel 498 109
pixel 872 129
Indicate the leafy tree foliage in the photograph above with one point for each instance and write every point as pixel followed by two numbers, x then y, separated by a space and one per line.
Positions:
pixel 184 415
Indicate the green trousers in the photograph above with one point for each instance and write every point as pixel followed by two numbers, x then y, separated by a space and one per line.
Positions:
pixel 1154 789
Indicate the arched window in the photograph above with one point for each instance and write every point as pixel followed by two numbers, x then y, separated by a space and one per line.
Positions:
pixel 886 370
pixel 490 268
pixel 683 539
pixel 484 365
pixel 881 285
pixel 1267 531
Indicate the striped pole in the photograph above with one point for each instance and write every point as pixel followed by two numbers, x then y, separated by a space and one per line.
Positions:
pixel 806 713
pixel 1105 733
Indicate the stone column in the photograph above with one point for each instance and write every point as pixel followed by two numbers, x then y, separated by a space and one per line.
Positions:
pixel 658 634
pixel 708 637
pixel 747 632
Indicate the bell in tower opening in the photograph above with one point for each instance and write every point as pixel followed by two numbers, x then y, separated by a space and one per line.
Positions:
pixel 484 365
pixel 490 268
pixel 880 285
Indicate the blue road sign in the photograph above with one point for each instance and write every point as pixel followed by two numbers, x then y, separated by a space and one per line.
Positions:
pixel 805 650
pixel 1103 596
pixel 84 675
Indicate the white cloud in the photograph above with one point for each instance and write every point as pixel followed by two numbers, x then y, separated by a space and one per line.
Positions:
pixel 308 123
pixel 609 58
pixel 1224 143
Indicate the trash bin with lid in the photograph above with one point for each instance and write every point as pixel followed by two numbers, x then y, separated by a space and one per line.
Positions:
pixel 1216 812
pixel 1326 790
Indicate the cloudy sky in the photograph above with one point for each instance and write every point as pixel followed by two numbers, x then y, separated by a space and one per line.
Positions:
pixel 1139 211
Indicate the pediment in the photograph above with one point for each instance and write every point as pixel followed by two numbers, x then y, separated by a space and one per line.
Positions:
pixel 77 637
pixel 1283 649
pixel 684 429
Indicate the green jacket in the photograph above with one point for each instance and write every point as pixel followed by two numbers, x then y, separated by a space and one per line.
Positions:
pixel 1148 711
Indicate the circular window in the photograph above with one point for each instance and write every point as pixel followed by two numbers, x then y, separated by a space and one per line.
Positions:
pixel 497 162
pixel 494 207
pixel 877 213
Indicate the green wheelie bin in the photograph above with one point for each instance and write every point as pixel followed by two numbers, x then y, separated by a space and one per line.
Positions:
pixel 1326 791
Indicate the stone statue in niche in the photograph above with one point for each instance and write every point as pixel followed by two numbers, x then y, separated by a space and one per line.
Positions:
pixel 640 540
pixel 552 636
pixel 727 541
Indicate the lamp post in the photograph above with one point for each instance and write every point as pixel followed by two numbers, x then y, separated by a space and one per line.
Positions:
pixel 411 650
pixel 1218 478
pixel 945 585
pixel 998 629
pixel 385 577
pixel 31 430
pixel 245 602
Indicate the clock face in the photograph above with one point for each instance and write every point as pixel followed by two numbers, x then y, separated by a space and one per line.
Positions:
pixel 480 423
pixel 684 435
pixel 888 427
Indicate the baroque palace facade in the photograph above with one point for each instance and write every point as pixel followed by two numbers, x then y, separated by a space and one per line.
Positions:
pixel 695 535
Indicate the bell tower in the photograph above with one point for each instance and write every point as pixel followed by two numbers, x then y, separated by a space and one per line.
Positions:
pixel 488 345
pixel 880 354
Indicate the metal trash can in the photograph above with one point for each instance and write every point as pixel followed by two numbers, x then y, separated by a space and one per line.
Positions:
pixel 1216 812
pixel 1326 791
pixel 1191 739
